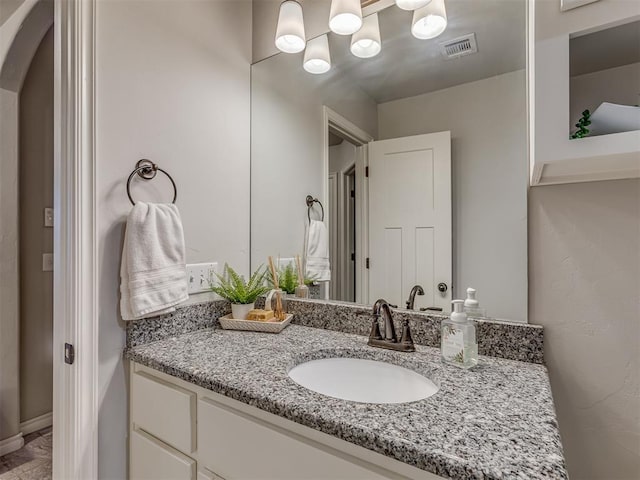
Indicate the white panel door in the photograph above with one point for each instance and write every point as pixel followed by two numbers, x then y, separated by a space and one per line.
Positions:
pixel 410 219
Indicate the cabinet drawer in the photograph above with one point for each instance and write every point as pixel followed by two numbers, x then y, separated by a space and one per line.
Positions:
pixel 152 460
pixel 204 474
pixel 239 447
pixel 166 411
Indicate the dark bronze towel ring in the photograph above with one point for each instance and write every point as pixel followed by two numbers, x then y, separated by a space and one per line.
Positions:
pixel 147 170
pixel 310 201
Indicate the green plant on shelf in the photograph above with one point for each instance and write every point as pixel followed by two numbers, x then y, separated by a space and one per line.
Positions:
pixel 582 125
pixel 232 287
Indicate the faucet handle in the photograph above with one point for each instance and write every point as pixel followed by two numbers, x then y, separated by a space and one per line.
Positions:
pixel 407 338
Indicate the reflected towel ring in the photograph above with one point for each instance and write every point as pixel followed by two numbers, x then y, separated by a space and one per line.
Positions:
pixel 147 170
pixel 310 201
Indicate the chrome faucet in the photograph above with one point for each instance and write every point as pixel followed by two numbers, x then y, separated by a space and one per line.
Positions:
pixel 390 340
pixel 416 290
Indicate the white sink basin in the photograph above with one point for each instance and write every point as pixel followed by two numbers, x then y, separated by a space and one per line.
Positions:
pixel 365 381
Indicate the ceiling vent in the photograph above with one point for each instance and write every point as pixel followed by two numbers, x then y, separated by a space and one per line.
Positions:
pixel 459 47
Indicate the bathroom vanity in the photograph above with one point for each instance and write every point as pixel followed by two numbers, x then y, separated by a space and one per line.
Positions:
pixel 208 404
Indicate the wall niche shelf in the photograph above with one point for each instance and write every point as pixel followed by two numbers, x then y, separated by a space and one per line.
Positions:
pixel 584 68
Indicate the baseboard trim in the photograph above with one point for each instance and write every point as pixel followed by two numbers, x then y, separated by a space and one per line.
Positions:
pixel 37 423
pixel 11 444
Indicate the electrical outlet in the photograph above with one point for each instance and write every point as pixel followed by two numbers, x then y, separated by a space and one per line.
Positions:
pixel 200 275
pixel 47 262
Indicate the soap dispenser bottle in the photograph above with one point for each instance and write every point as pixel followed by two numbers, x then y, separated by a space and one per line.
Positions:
pixel 471 304
pixel 458 345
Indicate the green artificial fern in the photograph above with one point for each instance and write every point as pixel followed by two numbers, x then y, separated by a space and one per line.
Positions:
pixel 233 287
pixel 288 279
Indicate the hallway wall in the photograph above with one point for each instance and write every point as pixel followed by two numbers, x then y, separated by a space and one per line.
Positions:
pixel 36 193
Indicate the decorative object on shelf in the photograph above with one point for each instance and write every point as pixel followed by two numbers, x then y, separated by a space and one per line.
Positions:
pixel 241 294
pixel 317 58
pixel 582 125
pixel 290 35
pixel 270 326
pixel 366 43
pixel 276 293
pixel 345 16
pixel 429 21
pixel 147 170
pixel 570 4
pixel 611 118
pixel 302 290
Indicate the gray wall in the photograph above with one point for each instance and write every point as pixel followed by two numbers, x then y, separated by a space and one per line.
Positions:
pixel 487 120
pixel 584 270
pixel 173 85
pixel 36 193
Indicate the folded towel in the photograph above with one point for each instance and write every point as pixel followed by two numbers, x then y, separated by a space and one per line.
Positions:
pixel 153 275
pixel 316 252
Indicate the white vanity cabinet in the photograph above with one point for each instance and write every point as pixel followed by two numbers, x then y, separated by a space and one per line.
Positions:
pixel 179 431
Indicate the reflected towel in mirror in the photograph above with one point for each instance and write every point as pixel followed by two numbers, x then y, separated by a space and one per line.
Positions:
pixel 316 252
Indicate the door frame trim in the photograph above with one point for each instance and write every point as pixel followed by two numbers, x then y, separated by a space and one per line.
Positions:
pixel 360 138
pixel 75 320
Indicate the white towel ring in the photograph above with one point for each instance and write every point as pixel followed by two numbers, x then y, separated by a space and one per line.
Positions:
pixel 147 170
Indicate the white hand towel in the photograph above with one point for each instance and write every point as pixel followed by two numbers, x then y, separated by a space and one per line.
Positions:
pixel 316 252
pixel 153 275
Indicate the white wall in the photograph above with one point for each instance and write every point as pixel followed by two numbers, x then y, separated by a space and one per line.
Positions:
pixel 173 85
pixel 287 145
pixel 615 85
pixel 487 120
pixel 584 270
pixel 341 156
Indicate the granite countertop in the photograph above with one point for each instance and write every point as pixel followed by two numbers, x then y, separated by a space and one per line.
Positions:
pixel 496 421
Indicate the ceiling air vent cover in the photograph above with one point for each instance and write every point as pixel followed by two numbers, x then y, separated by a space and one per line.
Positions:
pixel 459 47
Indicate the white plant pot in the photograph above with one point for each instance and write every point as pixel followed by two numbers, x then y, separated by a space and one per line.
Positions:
pixel 240 311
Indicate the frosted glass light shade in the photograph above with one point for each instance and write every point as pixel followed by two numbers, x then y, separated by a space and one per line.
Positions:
pixel 290 30
pixel 317 58
pixel 430 21
pixel 411 4
pixel 365 43
pixel 345 17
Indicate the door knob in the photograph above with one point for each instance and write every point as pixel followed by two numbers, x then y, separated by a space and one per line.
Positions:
pixel 442 287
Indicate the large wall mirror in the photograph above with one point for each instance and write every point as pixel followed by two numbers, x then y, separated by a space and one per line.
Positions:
pixel 418 156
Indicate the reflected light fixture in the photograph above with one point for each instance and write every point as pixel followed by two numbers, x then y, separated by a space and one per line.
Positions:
pixel 290 30
pixel 317 58
pixel 429 21
pixel 345 17
pixel 365 43
pixel 412 4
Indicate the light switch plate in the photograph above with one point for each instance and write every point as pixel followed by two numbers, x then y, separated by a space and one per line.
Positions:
pixel 48 217
pixel 47 262
pixel 200 275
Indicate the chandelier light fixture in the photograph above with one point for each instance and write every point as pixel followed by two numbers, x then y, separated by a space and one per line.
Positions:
pixel 429 21
pixel 412 4
pixel 345 16
pixel 290 36
pixel 365 43
pixel 317 58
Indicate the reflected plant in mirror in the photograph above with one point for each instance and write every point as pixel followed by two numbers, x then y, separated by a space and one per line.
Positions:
pixel 417 149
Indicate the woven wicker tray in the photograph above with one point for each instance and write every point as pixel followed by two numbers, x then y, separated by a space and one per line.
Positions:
pixel 228 323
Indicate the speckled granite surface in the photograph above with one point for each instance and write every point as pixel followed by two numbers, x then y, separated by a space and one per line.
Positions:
pixel 188 318
pixel 494 422
pixel 511 340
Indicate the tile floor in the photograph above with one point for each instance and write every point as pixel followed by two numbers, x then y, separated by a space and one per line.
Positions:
pixel 31 462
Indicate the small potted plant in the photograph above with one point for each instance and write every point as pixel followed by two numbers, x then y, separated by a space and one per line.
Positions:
pixel 241 294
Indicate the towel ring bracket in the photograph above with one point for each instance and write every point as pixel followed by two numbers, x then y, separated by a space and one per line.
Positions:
pixel 310 201
pixel 147 170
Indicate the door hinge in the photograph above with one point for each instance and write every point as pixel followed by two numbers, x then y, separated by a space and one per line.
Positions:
pixel 353 193
pixel 366 172
pixel 366 262
pixel 69 354
pixel 353 257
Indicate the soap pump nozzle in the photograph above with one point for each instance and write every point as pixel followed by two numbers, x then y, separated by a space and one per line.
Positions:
pixel 458 315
